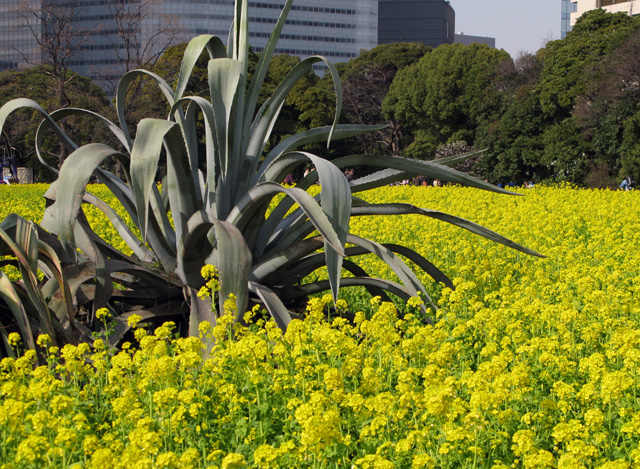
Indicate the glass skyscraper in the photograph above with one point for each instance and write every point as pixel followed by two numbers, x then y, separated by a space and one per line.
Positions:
pixel 336 29
pixel 431 22
pixel 17 41
pixel 568 7
pixel 333 28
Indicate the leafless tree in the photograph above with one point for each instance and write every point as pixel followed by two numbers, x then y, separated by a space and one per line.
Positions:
pixel 616 81
pixel 623 68
pixel 53 26
pixel 514 74
pixel 143 33
pixel 363 94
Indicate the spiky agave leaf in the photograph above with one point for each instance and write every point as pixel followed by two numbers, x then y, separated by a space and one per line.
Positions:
pixel 36 309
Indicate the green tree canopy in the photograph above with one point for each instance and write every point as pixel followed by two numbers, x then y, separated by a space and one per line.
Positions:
pixel 602 113
pixel 515 149
pixel 563 119
pixel 396 54
pixel 563 78
pixel 630 149
pixel 445 95
pixel 35 83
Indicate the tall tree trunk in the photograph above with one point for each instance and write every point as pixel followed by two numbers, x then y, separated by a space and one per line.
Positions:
pixel 61 99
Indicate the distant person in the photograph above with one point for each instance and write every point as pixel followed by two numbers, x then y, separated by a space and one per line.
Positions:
pixel 627 184
pixel 349 174
pixel 289 179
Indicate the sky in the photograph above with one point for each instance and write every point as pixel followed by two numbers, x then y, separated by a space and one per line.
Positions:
pixel 517 25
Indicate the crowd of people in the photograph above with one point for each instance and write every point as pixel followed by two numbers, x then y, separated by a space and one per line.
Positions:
pixel 628 183
pixel 419 181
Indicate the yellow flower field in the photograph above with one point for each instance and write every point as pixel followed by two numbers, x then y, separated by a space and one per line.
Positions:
pixel 532 363
pixel 28 201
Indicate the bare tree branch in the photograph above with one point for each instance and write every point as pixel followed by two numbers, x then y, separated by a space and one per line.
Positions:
pixel 59 40
pixel 363 94
pixel 143 34
pixel 54 28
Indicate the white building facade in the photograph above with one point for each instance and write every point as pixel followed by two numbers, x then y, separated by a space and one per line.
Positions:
pixel 580 7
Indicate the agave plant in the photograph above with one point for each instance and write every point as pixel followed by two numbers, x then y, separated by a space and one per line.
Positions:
pixel 31 300
pixel 227 215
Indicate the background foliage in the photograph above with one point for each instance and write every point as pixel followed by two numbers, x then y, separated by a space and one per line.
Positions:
pixel 564 113
pixel 35 83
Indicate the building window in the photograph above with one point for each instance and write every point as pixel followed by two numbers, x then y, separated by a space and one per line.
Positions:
pixel 606 3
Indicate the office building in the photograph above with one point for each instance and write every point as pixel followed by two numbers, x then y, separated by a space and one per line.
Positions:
pixel 612 6
pixel 336 29
pixel 567 8
pixel 17 42
pixel 467 39
pixel 431 22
